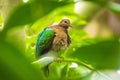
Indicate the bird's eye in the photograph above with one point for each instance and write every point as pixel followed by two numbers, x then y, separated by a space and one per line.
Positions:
pixel 65 21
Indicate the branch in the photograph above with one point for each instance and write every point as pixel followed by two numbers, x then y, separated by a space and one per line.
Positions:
pixel 76 61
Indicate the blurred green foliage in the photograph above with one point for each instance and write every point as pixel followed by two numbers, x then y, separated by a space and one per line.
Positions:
pixel 114 7
pixel 98 53
pixel 101 55
pixel 0 19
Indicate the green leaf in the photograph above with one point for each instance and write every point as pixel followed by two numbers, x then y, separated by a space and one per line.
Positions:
pixel 99 2
pixel 100 76
pixel 15 66
pixel 0 19
pixel 114 7
pixel 64 72
pixel 101 55
pixel 30 12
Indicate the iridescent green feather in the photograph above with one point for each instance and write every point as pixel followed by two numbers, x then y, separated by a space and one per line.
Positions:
pixel 44 41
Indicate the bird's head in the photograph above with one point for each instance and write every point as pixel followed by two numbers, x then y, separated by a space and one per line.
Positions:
pixel 65 23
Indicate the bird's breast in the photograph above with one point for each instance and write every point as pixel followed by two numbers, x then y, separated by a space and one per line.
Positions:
pixel 60 40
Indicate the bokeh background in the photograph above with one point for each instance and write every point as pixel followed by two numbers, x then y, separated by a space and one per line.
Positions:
pixel 95 50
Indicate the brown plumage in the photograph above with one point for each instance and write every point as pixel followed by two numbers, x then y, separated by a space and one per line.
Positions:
pixel 54 38
pixel 61 39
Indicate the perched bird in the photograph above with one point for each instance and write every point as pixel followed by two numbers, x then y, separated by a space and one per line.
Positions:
pixel 52 40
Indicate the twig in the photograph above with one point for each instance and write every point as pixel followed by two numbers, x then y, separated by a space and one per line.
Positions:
pixel 76 61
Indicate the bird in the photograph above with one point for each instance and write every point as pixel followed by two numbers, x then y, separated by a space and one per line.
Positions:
pixel 53 40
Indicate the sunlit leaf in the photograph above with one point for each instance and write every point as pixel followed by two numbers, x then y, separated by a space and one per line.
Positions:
pixel 0 19
pixel 101 55
pixel 100 76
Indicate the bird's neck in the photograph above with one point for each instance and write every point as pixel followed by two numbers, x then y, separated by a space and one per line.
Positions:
pixel 59 27
pixel 63 26
pixel 64 29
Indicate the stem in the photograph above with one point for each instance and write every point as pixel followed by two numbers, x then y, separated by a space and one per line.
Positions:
pixel 76 61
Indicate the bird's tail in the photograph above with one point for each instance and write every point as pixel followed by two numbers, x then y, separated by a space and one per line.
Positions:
pixel 44 63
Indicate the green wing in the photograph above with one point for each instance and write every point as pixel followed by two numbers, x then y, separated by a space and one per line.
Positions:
pixel 44 41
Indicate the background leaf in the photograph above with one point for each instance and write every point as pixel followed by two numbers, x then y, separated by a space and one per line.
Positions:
pixel 114 7
pixel 30 12
pixel 101 55
pixel 15 66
